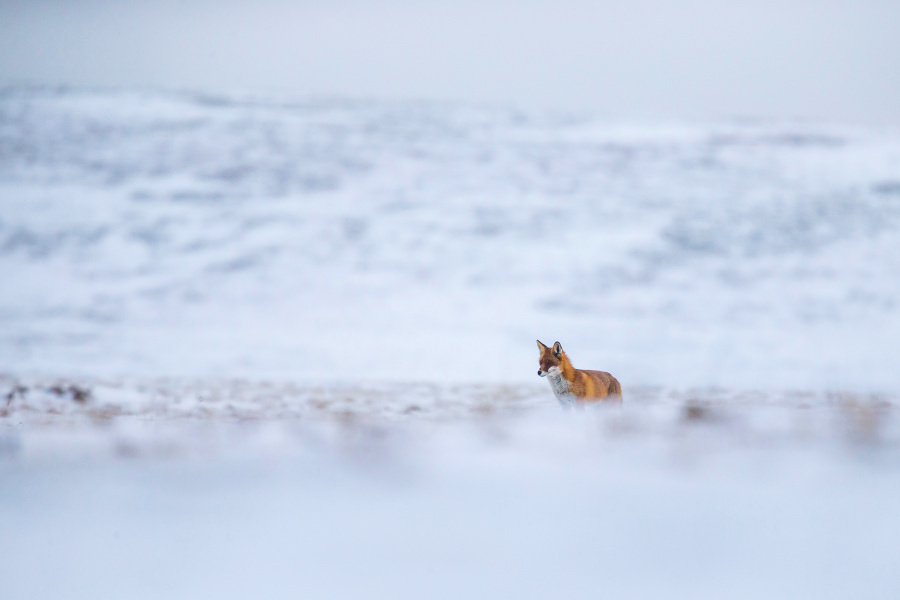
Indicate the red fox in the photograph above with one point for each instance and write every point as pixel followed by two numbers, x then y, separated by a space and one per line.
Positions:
pixel 573 385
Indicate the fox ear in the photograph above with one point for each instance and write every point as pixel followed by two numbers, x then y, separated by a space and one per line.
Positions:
pixel 541 346
pixel 557 350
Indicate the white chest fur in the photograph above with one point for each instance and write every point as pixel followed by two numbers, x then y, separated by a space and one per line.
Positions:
pixel 560 387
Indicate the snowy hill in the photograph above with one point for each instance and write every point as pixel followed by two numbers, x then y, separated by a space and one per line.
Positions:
pixel 162 233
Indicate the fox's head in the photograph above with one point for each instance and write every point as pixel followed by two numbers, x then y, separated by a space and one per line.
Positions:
pixel 550 360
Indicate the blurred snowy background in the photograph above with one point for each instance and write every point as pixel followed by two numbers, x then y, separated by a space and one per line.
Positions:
pixel 683 195
pixel 271 275
pixel 166 233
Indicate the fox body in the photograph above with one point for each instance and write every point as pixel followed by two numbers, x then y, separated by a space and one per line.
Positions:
pixel 573 385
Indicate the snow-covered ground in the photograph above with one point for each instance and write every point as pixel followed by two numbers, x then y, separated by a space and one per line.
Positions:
pixel 232 489
pixel 260 346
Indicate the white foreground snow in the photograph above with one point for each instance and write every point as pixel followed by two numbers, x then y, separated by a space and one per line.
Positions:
pixel 180 489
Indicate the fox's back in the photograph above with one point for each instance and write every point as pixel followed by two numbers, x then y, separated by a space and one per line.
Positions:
pixel 595 385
